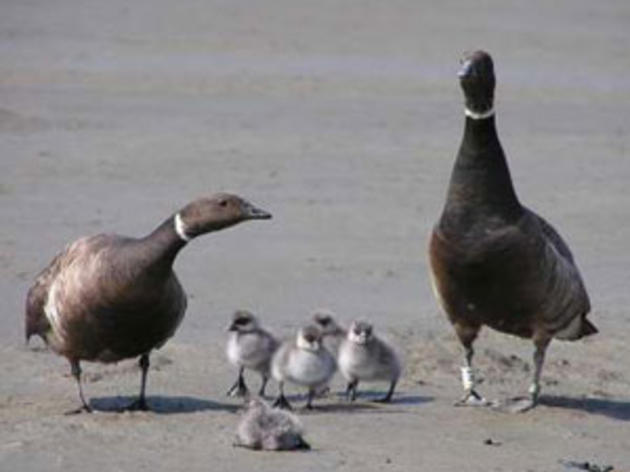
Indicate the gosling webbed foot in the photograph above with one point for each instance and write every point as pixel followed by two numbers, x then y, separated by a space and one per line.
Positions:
pixel 390 393
pixel 282 403
pixel 240 390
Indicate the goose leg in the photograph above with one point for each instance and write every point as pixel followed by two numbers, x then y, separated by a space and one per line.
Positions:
pixel 523 404
pixel 76 373
pixel 239 389
pixel 539 359
pixel 467 336
pixel 282 402
pixel 141 403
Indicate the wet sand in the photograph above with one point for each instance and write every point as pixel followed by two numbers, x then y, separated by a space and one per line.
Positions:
pixel 343 121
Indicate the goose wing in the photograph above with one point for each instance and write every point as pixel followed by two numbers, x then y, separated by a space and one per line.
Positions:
pixel 566 301
pixel 36 322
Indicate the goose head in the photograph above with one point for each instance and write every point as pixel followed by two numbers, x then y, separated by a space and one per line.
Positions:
pixel 476 77
pixel 215 212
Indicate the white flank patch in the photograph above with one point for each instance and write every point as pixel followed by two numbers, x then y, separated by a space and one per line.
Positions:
pixel 436 292
pixel 180 228
pixel 52 313
pixel 479 116
pixel 571 331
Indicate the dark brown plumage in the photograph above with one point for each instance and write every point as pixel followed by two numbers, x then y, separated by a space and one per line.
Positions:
pixel 493 261
pixel 108 297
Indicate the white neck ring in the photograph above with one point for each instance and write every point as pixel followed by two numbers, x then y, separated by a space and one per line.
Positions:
pixel 479 116
pixel 180 228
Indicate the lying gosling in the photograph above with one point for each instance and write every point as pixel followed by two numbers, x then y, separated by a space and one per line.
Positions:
pixel 269 429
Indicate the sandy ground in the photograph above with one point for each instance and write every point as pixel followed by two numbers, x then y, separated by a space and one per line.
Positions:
pixel 343 119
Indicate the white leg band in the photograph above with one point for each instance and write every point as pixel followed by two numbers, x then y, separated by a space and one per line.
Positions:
pixel 468 378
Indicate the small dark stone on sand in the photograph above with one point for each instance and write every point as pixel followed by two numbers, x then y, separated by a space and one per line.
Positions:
pixel 491 442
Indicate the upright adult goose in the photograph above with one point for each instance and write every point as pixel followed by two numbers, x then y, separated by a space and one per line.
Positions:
pixel 109 297
pixel 493 261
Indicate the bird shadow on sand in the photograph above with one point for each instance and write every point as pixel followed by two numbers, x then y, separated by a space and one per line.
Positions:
pixel 161 405
pixel 616 409
pixel 369 404
pixel 365 402
pixel 397 399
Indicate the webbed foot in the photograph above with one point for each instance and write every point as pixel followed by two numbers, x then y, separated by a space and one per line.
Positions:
pixel 239 389
pixel 282 403
pixel 516 404
pixel 82 409
pixel 472 398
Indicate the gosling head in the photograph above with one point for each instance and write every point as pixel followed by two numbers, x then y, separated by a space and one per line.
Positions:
pixel 325 321
pixel 360 332
pixel 243 322
pixel 309 338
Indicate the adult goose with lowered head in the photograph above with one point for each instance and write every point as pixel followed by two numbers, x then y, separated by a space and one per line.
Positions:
pixel 493 261
pixel 109 297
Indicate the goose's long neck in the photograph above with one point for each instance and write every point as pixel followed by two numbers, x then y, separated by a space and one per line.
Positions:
pixel 480 182
pixel 162 246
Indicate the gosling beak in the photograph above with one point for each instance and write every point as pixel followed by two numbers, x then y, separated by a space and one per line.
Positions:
pixel 465 70
pixel 254 213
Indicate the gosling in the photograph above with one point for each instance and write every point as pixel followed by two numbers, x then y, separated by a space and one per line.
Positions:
pixel 363 356
pixel 249 347
pixel 303 361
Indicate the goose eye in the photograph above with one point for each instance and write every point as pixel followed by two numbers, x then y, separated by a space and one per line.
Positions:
pixel 223 203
